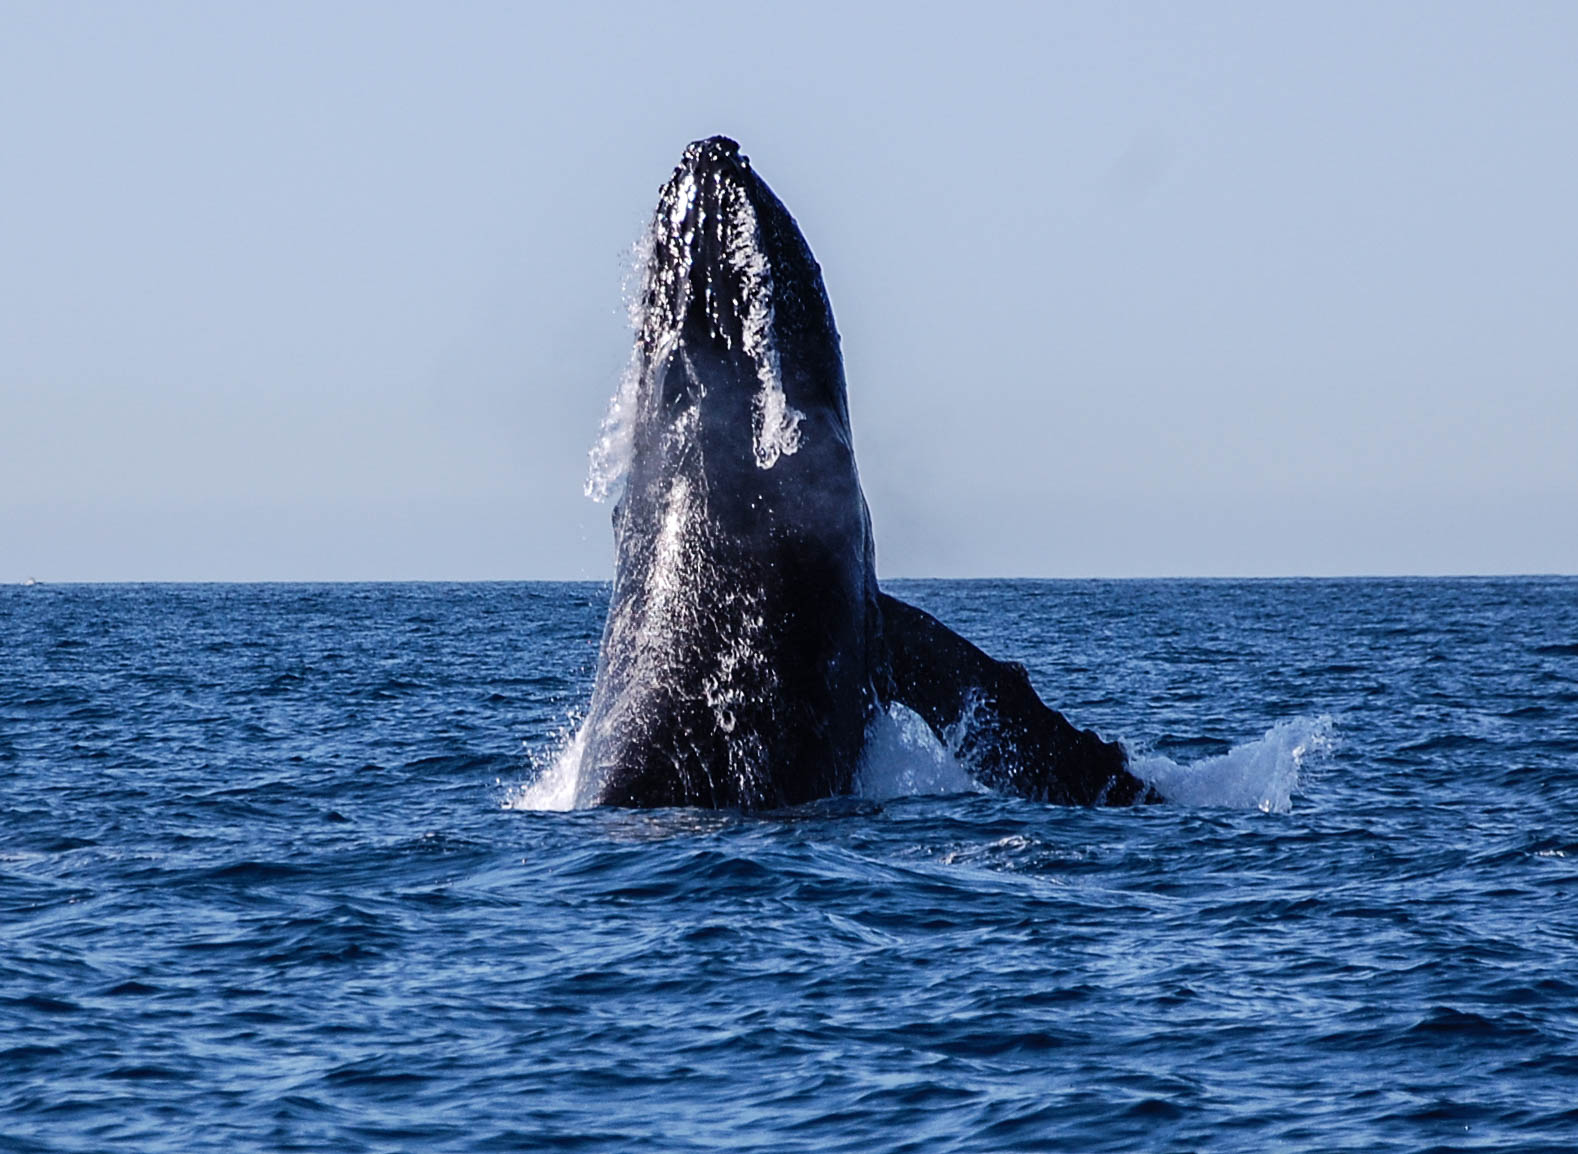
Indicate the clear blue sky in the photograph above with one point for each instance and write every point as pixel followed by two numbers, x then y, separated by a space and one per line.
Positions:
pixel 322 291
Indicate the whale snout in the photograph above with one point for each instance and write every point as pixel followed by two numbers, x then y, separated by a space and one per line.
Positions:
pixel 711 183
pixel 715 154
pixel 711 266
pixel 733 303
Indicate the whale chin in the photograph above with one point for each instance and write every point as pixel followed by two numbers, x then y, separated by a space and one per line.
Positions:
pixel 747 645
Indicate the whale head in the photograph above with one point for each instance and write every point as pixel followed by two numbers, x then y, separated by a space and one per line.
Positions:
pixel 733 324
pixel 736 388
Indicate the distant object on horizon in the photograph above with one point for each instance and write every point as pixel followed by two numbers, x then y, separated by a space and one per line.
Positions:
pixel 747 649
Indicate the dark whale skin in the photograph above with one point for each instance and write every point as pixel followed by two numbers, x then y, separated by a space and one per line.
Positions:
pixel 735 662
pixel 747 646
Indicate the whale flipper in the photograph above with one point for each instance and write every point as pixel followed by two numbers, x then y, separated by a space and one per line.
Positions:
pixel 986 709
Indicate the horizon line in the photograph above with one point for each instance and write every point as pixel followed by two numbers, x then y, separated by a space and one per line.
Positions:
pixel 38 582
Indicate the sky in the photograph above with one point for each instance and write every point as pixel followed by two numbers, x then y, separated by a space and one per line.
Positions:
pixel 305 291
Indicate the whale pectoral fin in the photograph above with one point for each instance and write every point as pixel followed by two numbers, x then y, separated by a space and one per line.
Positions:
pixel 988 710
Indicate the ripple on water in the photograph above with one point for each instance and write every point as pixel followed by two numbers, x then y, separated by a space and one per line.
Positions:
pixel 261 888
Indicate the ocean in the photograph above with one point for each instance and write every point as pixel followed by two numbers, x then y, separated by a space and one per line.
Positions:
pixel 281 869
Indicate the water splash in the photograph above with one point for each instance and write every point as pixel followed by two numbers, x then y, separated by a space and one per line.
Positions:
pixel 903 758
pixel 609 458
pixel 1261 774
pixel 556 782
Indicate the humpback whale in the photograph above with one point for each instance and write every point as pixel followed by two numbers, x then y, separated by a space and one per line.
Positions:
pixel 747 646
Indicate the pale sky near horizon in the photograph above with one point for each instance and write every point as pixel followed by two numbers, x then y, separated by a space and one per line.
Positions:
pixel 333 291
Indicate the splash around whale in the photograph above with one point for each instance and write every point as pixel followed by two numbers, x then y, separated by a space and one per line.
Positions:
pixel 748 655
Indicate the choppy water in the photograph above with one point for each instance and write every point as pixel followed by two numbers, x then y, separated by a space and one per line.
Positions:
pixel 262 887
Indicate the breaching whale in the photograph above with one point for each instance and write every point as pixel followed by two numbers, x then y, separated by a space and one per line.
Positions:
pixel 747 647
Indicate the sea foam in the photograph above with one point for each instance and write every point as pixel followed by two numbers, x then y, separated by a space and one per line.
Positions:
pixel 903 758
pixel 1262 774
pixel 556 776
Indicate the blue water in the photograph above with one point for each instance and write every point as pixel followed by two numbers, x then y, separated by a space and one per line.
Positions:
pixel 264 886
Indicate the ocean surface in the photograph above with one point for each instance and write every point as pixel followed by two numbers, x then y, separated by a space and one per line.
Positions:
pixel 279 870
